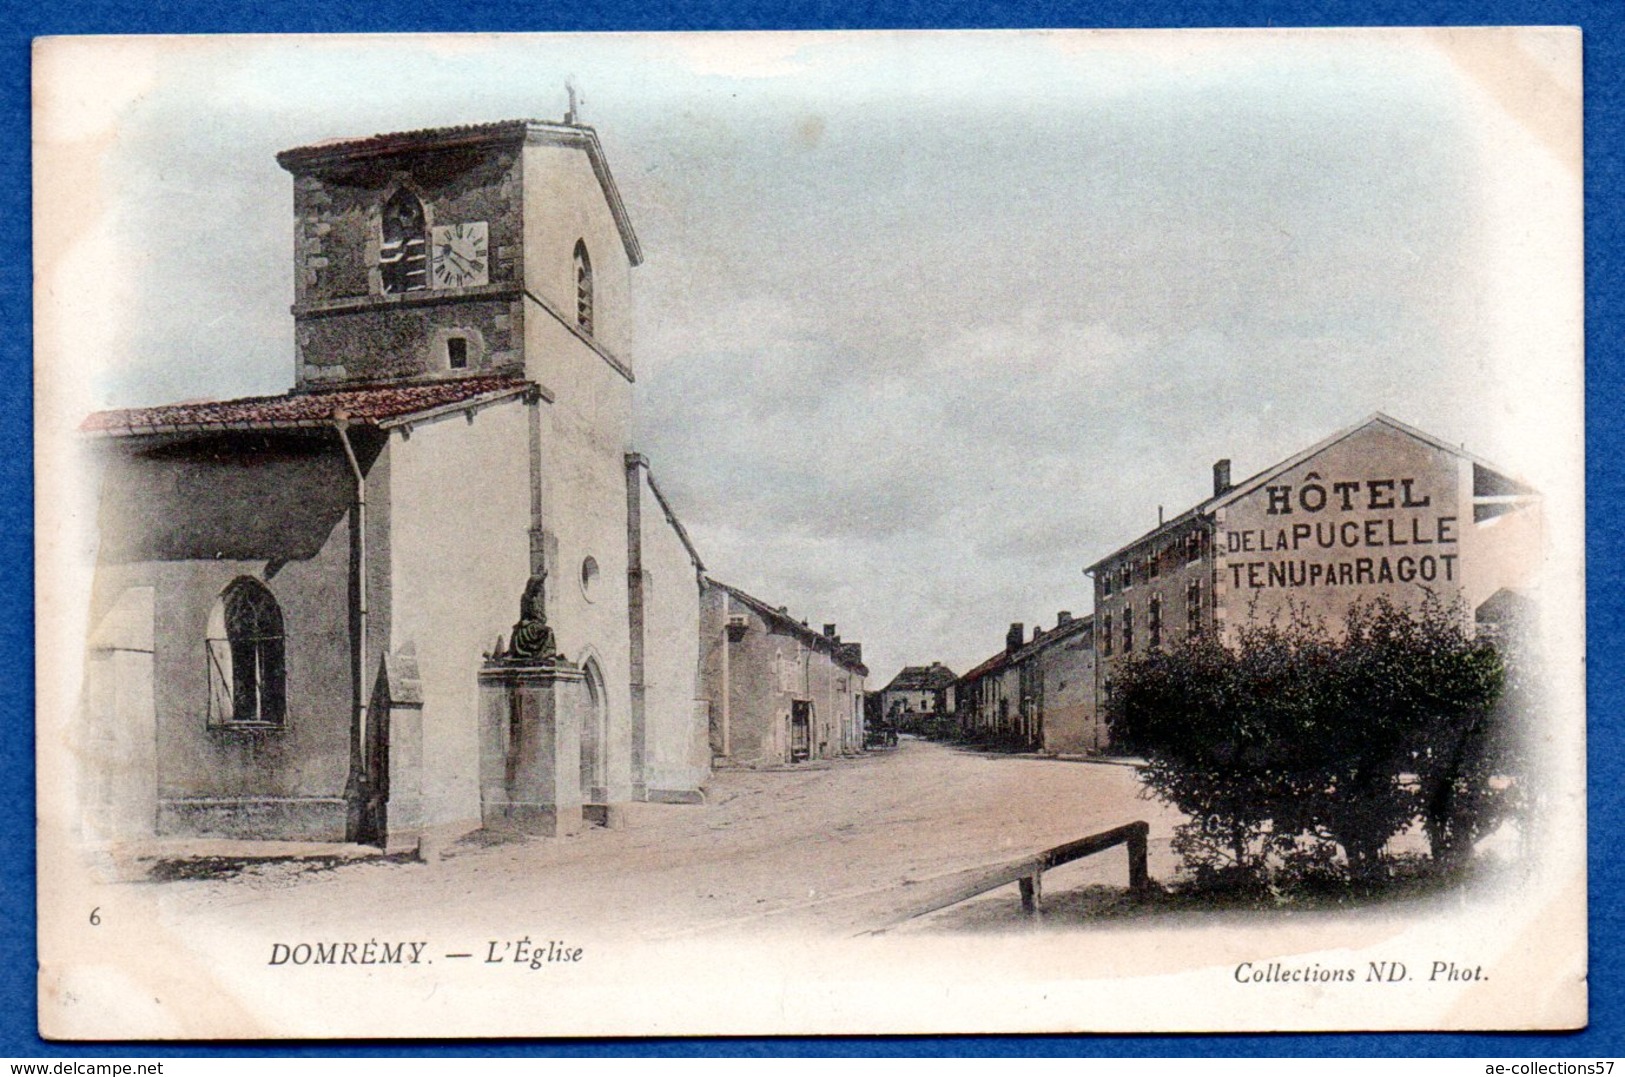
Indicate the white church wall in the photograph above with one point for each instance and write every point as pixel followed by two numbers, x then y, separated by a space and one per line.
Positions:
pixel 677 755
pixel 564 203
pixel 584 431
pixel 460 505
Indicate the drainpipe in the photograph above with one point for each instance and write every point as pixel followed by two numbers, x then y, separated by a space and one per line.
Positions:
pixel 727 679
pixel 358 677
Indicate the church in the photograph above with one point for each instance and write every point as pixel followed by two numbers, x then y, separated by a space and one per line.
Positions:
pixel 432 585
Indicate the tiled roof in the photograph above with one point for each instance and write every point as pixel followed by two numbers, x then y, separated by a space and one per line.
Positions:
pixel 992 665
pixel 403 140
pixel 1039 641
pixel 922 679
pixel 372 404
pixel 845 654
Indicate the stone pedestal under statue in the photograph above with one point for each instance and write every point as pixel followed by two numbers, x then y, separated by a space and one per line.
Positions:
pixel 530 747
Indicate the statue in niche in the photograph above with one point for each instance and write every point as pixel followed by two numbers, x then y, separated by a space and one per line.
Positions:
pixel 532 638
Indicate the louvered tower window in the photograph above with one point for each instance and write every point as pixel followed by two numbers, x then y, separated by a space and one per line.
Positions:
pixel 583 266
pixel 403 257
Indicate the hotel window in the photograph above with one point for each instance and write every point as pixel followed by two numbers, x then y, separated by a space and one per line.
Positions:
pixel 1154 622
pixel 1106 634
pixel 1128 630
pixel 1153 564
pixel 1128 574
pixel 1106 582
pixel 1193 609
pixel 1193 547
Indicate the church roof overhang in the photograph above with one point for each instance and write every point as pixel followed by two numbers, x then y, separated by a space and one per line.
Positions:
pixel 382 406
pixel 339 151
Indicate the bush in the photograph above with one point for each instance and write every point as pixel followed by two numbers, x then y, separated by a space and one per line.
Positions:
pixel 1291 743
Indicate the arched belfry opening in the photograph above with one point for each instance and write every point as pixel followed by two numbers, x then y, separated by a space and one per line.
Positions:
pixel 403 252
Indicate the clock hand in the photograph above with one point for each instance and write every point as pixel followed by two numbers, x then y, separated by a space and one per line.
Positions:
pixel 463 263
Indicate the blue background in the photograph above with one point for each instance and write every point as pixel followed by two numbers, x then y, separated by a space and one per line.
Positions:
pixel 1605 210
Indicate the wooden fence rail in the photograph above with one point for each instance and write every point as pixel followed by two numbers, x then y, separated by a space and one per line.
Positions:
pixel 1028 872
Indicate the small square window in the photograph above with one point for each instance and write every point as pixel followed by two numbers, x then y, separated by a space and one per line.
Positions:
pixel 457 353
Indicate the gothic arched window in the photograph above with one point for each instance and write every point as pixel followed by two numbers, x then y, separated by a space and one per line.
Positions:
pixel 403 257
pixel 583 266
pixel 247 671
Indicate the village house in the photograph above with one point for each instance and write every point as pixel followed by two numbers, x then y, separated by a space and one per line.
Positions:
pixel 919 698
pixel 431 585
pixel 777 691
pixel 1380 509
pixel 1037 694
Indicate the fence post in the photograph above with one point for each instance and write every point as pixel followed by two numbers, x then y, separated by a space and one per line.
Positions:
pixel 1139 878
pixel 1032 891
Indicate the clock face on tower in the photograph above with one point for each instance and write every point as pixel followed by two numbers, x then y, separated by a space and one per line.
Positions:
pixel 461 255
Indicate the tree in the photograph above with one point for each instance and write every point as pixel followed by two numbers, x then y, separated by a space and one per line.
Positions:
pixel 1292 744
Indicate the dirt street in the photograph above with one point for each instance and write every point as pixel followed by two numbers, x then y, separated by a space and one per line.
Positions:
pixel 838 847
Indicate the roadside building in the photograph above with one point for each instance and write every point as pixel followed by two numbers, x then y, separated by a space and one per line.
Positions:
pixel 776 691
pixel 1037 694
pixel 298 597
pixel 1064 687
pixel 1380 509
pixel 920 698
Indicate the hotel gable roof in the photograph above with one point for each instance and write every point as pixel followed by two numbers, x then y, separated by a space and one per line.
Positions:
pixel 1247 486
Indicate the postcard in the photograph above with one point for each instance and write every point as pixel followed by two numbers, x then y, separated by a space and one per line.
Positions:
pixel 809 533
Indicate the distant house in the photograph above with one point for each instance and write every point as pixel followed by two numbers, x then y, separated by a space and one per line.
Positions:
pixel 777 691
pixel 1036 694
pixel 917 696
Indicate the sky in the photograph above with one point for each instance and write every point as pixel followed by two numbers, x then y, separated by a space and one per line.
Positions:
pixel 927 323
